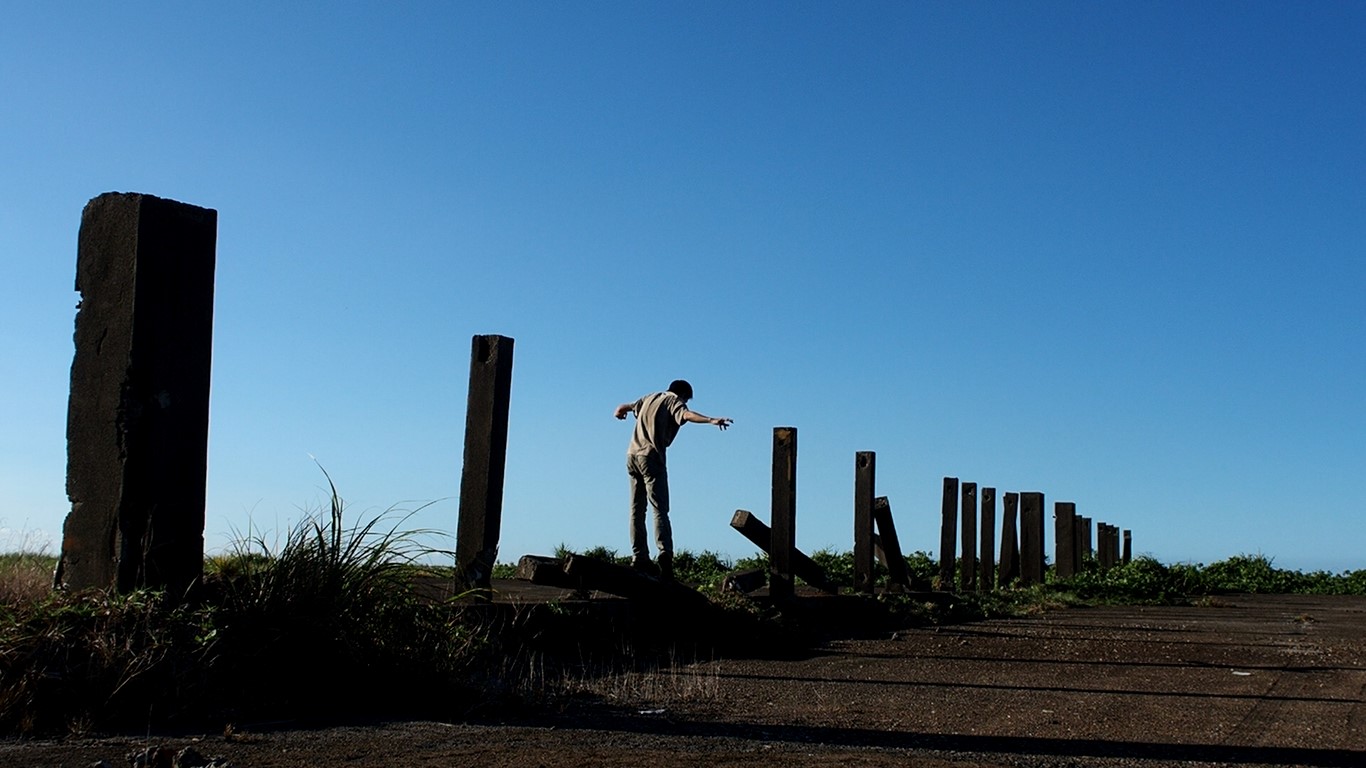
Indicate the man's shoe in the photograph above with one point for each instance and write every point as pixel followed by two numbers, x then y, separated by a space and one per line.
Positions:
pixel 666 567
pixel 645 566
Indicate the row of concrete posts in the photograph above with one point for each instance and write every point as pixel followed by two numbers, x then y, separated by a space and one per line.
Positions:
pixel 1022 551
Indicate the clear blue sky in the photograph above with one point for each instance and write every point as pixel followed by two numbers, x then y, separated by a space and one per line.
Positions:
pixel 1115 252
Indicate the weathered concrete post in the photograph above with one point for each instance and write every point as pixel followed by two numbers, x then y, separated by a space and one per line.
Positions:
pixel 1065 539
pixel 865 466
pixel 138 415
pixel 948 532
pixel 486 442
pixel 1010 546
pixel 1108 554
pixel 1088 551
pixel 1102 546
pixel 761 536
pixel 1128 555
pixel 784 512
pixel 1031 538
pixel 967 565
pixel 987 565
pixel 1079 540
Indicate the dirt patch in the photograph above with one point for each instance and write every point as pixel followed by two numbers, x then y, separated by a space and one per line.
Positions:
pixel 1248 681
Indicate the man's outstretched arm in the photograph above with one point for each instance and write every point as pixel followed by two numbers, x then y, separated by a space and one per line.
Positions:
pixel 624 409
pixel 698 418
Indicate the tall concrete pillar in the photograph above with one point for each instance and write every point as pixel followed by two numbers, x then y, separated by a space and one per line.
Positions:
pixel 486 443
pixel 784 540
pixel 948 532
pixel 1031 538
pixel 987 564
pixel 1079 534
pixel 1107 546
pixel 1100 546
pixel 1064 539
pixel 1009 570
pixel 138 415
pixel 1088 551
pixel 865 468
pixel 967 565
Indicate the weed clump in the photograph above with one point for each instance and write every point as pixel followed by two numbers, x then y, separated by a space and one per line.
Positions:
pixel 326 624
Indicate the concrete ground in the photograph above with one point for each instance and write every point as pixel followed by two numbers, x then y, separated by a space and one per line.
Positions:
pixel 1240 681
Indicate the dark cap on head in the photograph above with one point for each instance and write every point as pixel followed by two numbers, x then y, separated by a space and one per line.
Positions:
pixel 681 388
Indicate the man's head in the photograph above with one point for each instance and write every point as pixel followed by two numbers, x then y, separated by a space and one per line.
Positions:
pixel 681 388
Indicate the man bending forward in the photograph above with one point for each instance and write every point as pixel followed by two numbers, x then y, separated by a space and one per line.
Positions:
pixel 658 417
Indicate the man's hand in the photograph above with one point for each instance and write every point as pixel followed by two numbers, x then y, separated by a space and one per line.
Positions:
pixel 622 410
pixel 722 423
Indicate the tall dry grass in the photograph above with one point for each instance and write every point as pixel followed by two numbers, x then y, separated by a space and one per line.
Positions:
pixel 325 624
pixel 25 577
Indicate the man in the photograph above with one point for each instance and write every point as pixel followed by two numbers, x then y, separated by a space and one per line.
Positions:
pixel 658 418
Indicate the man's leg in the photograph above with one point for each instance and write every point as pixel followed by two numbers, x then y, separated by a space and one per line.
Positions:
pixel 640 544
pixel 657 489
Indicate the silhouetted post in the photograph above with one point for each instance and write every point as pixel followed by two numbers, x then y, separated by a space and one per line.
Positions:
pixel 1065 538
pixel 865 466
pixel 1079 540
pixel 784 512
pixel 138 415
pixel 889 545
pixel 1109 550
pixel 486 442
pixel 967 566
pixel 1088 551
pixel 1100 546
pixel 987 565
pixel 1010 546
pixel 1031 538
pixel 948 532
pixel 1128 547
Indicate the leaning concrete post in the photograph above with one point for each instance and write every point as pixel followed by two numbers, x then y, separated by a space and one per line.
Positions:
pixel 1010 547
pixel 1128 555
pixel 987 566
pixel 1065 539
pixel 865 466
pixel 1031 538
pixel 486 443
pixel 752 528
pixel 889 546
pixel 784 512
pixel 948 532
pixel 138 416
pixel 967 566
